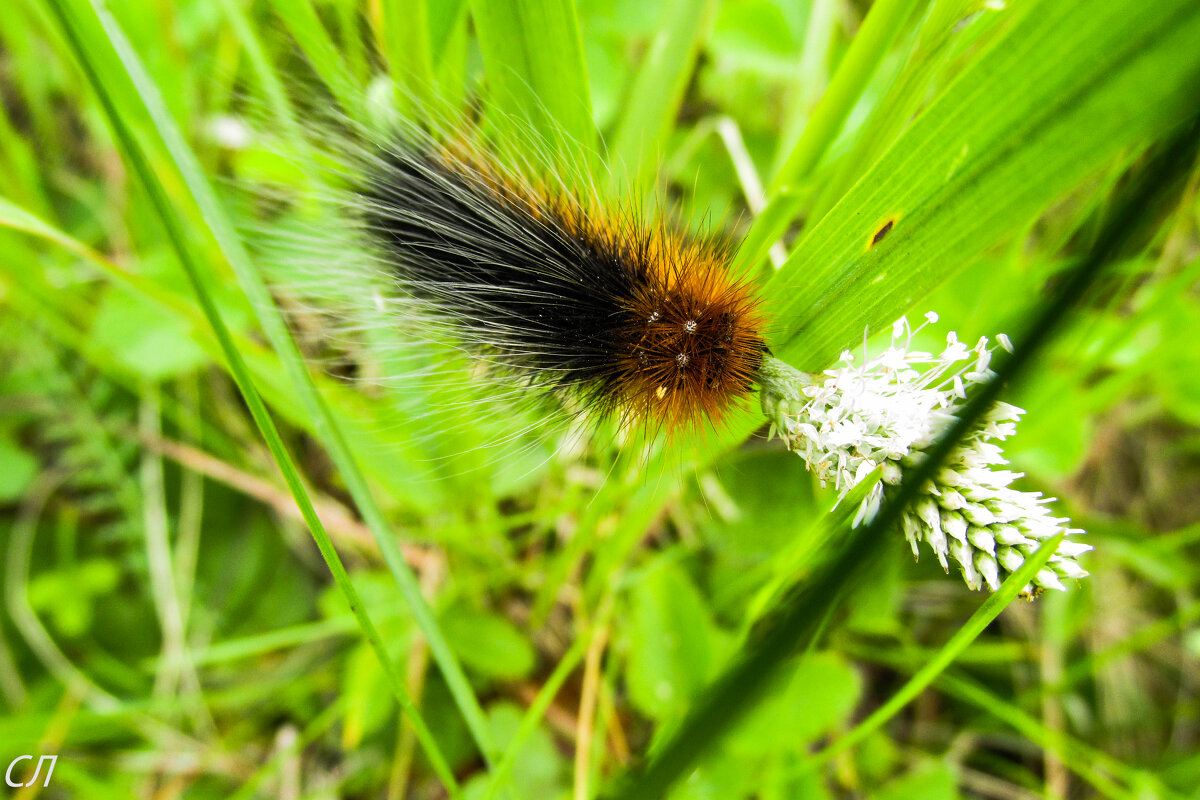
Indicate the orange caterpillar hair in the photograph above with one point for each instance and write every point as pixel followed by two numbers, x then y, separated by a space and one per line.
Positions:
pixel 634 320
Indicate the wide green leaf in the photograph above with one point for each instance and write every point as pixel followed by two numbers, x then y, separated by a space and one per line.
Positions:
pixel 1068 89
pixel 674 646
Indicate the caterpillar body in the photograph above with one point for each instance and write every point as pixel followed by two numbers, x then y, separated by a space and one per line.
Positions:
pixel 627 319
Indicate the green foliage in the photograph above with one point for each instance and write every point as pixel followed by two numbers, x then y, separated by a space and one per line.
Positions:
pixel 530 616
pixel 17 470
pixel 933 780
pixel 674 647
pixel 488 643
pixel 1012 132
pixel 538 769
pixel 819 694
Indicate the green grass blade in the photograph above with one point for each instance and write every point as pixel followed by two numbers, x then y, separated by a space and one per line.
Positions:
pixel 20 177
pixel 264 365
pixel 1141 640
pixel 1092 765
pixel 947 655
pixel 268 79
pixel 107 48
pixel 641 138
pixel 533 57
pixel 940 42
pixel 880 28
pixel 444 17
pixel 305 25
pixel 882 25
pixel 833 287
pixel 537 710
pixel 62 313
pixel 17 218
pixel 69 17
pixel 790 565
pixel 1062 93
pixel 405 37
pixel 18 556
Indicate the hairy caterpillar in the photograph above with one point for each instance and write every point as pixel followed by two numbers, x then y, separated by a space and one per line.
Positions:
pixel 569 303
pixel 633 319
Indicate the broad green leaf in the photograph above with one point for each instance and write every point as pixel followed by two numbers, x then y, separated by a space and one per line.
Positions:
pixel 874 609
pixel 820 693
pixel 451 732
pixel 17 470
pixel 796 561
pixel 68 595
pixel 488 643
pixel 362 684
pixel 749 520
pixel 144 339
pixel 718 778
pixel 537 768
pixel 755 34
pixel 877 757
pixel 674 647
pixel 377 592
pixel 931 780
pixel 1069 88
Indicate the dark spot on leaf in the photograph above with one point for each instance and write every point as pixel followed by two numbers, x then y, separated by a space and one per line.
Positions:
pixel 882 232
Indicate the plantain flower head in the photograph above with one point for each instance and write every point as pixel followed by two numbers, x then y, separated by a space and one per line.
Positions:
pixel 884 414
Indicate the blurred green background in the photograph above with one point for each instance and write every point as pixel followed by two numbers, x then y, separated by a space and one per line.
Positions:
pixel 169 628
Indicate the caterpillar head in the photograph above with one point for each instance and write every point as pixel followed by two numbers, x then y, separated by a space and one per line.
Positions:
pixel 693 336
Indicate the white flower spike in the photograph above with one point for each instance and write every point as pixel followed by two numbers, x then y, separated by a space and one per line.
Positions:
pixel 884 414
